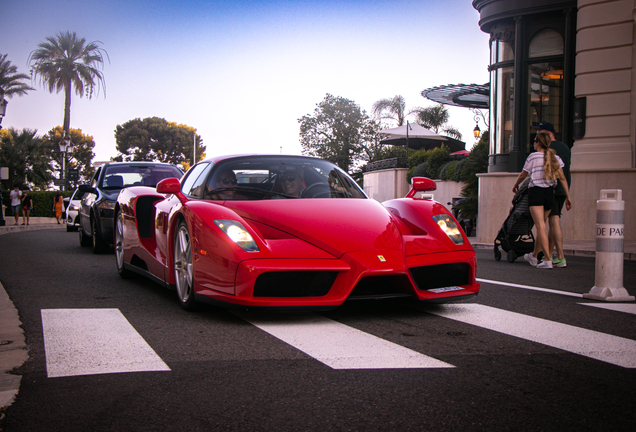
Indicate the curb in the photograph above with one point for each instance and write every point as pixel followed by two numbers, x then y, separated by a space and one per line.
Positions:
pixel 13 349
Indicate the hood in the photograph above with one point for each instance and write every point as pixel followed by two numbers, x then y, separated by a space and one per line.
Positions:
pixel 337 226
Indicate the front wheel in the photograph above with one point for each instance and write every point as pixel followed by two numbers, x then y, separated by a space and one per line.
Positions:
pixel 119 247
pixel 183 271
pixel 84 240
pixel 99 245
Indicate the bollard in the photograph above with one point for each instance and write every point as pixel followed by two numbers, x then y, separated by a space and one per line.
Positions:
pixel 610 224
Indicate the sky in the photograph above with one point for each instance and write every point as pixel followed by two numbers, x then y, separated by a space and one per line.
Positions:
pixel 243 72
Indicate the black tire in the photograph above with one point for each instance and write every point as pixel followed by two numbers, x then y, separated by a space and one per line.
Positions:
pixel 99 245
pixel 512 256
pixel 69 228
pixel 119 247
pixel 183 267
pixel 84 240
pixel 497 253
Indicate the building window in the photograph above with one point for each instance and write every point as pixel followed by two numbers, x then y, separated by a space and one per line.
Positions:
pixel 501 96
pixel 545 81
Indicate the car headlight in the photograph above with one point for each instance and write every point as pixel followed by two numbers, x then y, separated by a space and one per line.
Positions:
pixel 448 225
pixel 238 234
pixel 106 205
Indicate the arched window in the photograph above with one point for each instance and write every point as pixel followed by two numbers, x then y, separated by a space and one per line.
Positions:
pixel 547 42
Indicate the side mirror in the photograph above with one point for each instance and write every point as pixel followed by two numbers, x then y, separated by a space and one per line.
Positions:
pixel 421 184
pixel 86 189
pixel 169 186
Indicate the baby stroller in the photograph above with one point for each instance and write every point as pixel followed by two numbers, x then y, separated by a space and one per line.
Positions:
pixel 515 235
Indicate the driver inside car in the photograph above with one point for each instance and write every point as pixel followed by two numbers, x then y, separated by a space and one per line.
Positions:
pixel 292 182
pixel 222 185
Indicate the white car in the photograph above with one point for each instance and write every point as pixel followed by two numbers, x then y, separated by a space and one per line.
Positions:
pixel 72 209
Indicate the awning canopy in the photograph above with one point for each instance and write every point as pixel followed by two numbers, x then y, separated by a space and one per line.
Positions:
pixel 462 95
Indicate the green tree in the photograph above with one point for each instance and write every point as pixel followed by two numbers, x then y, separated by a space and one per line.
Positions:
pixel 436 118
pixel 10 80
pixel 155 139
pixel 65 62
pixel 339 131
pixel 427 163
pixel 81 155
pixel 477 162
pixel 27 157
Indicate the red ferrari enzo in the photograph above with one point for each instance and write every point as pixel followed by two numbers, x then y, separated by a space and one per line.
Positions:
pixel 289 232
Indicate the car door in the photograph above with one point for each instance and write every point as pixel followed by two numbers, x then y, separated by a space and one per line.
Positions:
pixel 87 202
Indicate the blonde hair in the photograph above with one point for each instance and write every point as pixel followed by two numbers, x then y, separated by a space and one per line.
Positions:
pixel 551 165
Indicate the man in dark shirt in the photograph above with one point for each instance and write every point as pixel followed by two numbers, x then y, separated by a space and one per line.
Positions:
pixel 556 235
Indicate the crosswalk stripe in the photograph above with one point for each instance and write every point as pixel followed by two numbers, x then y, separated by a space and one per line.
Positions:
pixel 618 307
pixel 600 346
pixel 530 287
pixel 94 341
pixel 340 346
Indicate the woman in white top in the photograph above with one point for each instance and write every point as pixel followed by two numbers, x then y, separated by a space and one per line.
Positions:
pixel 544 168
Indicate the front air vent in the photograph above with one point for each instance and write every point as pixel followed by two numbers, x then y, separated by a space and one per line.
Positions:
pixel 294 283
pixel 441 276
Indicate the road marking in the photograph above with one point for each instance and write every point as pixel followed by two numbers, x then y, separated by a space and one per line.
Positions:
pixel 529 287
pixel 339 346
pixel 94 341
pixel 618 307
pixel 600 346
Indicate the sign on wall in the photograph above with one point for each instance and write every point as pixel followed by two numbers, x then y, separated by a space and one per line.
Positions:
pixel 578 128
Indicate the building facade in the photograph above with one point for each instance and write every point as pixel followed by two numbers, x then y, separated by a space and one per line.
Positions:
pixel 571 63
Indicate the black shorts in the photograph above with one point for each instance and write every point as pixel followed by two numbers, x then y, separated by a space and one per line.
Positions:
pixel 559 200
pixel 538 196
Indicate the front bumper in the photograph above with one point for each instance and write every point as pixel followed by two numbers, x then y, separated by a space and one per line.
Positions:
pixel 323 283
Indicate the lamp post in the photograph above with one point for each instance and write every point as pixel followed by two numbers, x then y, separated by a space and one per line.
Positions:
pixel 3 108
pixel 65 145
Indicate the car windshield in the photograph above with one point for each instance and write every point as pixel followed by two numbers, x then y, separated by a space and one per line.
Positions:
pixel 121 176
pixel 276 177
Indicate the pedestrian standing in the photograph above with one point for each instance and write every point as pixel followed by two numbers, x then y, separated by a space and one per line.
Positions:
pixel 27 203
pixel 16 197
pixel 555 236
pixel 58 206
pixel 545 170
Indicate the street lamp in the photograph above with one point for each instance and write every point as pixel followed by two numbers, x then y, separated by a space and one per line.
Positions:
pixel 65 145
pixel 478 113
pixel 3 109
pixel 477 131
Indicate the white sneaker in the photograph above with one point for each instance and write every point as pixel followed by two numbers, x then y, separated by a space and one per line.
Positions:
pixel 545 265
pixel 531 259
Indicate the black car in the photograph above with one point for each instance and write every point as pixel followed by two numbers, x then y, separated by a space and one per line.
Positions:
pixel 98 203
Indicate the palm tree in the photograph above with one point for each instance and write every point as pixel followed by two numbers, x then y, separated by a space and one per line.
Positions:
pixel 10 83
pixel 393 108
pixel 10 80
pixel 435 119
pixel 63 62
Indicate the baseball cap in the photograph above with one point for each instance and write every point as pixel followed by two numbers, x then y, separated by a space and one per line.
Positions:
pixel 545 126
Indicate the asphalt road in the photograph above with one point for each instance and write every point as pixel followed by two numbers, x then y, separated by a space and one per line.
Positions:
pixel 226 374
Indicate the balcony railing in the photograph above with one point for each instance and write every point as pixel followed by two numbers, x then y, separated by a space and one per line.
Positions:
pixel 386 164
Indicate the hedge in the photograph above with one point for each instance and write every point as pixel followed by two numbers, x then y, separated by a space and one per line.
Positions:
pixel 42 202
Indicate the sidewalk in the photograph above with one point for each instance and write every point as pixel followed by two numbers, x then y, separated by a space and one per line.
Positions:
pixel 573 248
pixel 35 223
pixel 13 349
